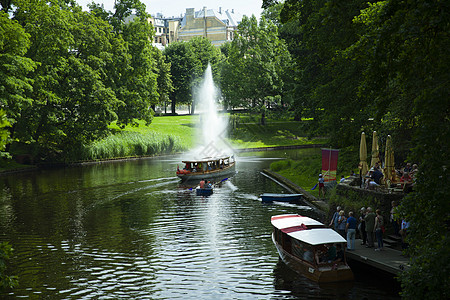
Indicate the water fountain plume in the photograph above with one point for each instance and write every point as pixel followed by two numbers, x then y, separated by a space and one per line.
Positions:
pixel 212 129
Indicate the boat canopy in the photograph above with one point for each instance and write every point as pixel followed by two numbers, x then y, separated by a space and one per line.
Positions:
pixel 293 220
pixel 318 236
pixel 208 159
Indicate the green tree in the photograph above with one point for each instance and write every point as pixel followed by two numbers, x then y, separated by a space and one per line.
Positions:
pixel 4 135
pixel 188 61
pixel 6 281
pixel 15 68
pixel 134 76
pixel 407 76
pixel 72 106
pixel 325 81
pixel 165 85
pixel 253 74
pixel 182 63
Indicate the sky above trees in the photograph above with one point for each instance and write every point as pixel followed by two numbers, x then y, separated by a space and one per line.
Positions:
pixel 177 7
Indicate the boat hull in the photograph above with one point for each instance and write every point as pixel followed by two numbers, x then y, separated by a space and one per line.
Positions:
pixel 318 274
pixel 268 197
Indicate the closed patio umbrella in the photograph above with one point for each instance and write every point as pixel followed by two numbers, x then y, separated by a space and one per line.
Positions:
pixel 363 155
pixel 375 151
pixel 389 170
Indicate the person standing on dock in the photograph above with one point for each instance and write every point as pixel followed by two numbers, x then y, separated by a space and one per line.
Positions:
pixel 334 219
pixel 351 231
pixel 370 227
pixel 342 221
pixel 362 226
pixel 379 226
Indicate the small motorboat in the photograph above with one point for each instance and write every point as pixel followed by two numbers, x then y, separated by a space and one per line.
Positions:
pixel 270 197
pixel 310 248
pixel 204 191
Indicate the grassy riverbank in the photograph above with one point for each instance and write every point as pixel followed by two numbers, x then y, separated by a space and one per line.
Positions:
pixel 304 172
pixel 171 134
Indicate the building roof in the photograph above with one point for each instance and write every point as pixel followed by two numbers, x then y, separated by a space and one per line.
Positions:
pixel 229 18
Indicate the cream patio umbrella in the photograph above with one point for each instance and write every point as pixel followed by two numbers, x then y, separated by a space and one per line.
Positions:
pixel 375 151
pixel 363 156
pixel 389 170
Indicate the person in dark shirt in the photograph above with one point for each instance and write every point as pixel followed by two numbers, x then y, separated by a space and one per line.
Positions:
pixel 351 231
pixel 377 175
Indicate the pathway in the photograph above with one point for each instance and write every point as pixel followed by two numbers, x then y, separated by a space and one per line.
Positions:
pixel 388 259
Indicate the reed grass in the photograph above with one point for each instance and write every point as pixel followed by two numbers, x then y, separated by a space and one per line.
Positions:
pixel 131 144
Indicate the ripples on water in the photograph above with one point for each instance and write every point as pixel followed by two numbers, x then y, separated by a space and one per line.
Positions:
pixel 131 230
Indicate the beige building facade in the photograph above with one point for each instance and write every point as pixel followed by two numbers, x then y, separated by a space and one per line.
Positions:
pixel 217 26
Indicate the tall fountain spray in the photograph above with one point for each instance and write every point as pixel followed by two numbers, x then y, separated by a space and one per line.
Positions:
pixel 212 126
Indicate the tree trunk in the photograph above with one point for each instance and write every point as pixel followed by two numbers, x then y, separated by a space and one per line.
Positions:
pixel 193 108
pixel 263 118
pixel 173 106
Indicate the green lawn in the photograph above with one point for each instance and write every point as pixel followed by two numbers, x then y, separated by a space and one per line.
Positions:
pixel 168 134
pixel 245 135
pixel 274 133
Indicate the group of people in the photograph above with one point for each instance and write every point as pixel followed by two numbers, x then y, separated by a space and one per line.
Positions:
pixel 370 226
pixel 205 184
pixel 330 254
pixel 408 176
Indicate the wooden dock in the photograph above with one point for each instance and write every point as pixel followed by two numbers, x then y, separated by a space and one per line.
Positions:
pixel 388 260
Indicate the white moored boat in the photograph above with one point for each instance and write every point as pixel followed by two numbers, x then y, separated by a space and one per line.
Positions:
pixel 306 246
pixel 207 168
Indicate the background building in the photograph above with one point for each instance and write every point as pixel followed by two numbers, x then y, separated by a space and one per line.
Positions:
pixel 217 26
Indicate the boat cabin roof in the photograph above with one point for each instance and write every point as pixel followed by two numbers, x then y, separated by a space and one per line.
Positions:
pixel 318 236
pixel 306 230
pixel 206 159
pixel 291 220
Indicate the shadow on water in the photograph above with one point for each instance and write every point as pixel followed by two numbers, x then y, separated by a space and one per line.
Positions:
pixel 294 285
pixel 367 285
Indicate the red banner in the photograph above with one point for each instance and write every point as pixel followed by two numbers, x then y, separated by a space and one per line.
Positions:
pixel 329 164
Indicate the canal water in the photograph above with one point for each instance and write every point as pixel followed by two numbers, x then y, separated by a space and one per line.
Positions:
pixel 130 230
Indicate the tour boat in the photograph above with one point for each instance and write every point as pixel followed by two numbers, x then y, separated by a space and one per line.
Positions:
pixel 207 168
pixel 303 244
pixel 269 197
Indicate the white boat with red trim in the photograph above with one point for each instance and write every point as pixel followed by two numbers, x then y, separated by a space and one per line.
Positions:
pixel 310 248
pixel 207 168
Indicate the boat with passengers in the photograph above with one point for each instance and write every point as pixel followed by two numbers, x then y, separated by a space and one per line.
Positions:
pixel 207 168
pixel 310 248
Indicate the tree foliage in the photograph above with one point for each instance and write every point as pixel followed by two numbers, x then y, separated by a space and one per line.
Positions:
pixel 407 75
pixel 188 61
pixel 383 66
pixel 254 73
pixel 15 67
pixel 6 281
pixel 66 74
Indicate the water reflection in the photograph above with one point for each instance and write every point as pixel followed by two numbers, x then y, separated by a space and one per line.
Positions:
pixel 131 230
